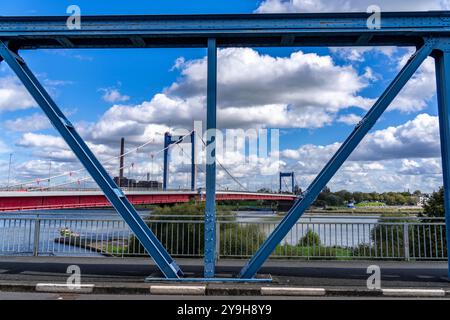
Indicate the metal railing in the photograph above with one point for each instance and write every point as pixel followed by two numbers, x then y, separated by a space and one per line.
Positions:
pixel 315 237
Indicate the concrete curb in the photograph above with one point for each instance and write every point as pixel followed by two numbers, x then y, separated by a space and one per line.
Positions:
pixel 414 292
pixel 178 290
pixel 353 292
pixel 64 288
pixel 286 291
pixel 136 289
pixel 221 290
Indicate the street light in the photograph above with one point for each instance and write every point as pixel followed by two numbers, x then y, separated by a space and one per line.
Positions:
pixel 9 170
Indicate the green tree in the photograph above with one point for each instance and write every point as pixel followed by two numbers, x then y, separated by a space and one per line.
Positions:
pixel 310 238
pixel 434 207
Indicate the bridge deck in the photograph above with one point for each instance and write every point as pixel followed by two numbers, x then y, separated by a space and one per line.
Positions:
pixel 43 200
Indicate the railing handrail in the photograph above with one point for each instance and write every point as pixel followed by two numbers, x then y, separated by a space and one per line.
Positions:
pixel 236 214
pixel 414 238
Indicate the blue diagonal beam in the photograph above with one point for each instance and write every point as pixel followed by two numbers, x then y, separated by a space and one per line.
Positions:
pixel 291 218
pixel 443 94
pixel 114 194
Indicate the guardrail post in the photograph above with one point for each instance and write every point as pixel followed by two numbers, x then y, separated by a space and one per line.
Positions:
pixel 37 234
pixel 217 240
pixel 406 240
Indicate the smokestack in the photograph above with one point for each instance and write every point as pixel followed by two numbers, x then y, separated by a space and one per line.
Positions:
pixel 122 152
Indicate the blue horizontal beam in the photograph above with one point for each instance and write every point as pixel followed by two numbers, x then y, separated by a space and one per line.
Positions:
pixel 326 29
pixel 203 280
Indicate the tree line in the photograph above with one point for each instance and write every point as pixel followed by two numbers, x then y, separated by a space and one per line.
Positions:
pixel 343 197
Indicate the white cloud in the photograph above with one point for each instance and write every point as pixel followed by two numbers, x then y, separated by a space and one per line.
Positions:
pixel 4 148
pixel 284 6
pixel 417 138
pixel 46 146
pixel 256 90
pixel 357 54
pixel 41 141
pixel 350 119
pixel 274 91
pixel 113 95
pixel 35 122
pixel 419 90
pixel 395 158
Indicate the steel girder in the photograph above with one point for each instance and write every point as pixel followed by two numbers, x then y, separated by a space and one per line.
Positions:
pixel 231 30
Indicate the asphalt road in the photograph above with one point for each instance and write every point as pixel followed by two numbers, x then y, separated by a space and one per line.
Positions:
pixel 5 296
pixel 299 273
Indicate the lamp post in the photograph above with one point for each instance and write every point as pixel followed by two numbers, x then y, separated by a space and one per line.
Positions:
pixel 9 170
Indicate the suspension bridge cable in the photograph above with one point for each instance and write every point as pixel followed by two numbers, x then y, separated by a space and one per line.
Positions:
pixel 225 169
pixel 69 173
pixel 199 167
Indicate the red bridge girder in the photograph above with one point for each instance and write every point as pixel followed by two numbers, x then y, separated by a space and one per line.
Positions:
pixel 24 201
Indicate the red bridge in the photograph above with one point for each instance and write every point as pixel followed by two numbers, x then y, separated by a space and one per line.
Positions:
pixel 47 200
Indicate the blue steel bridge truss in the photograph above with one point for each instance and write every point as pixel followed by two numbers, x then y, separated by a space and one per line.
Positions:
pixel 429 32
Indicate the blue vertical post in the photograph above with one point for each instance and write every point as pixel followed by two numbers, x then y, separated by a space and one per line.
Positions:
pixel 210 210
pixel 443 94
pixel 167 140
pixel 280 181
pixel 193 165
pixel 292 181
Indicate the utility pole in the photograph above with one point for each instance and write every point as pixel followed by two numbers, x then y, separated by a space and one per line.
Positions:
pixel 151 171
pixel 49 173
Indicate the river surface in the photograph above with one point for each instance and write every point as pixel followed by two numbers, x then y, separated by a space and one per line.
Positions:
pixel 17 232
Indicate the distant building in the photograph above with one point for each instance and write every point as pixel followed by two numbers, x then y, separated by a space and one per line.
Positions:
pixel 132 183
pixel 423 199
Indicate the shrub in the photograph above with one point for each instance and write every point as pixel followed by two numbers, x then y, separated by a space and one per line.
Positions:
pixel 240 240
pixel 186 236
pixel 310 238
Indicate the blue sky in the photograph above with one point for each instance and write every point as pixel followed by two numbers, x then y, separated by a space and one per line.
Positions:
pixel 104 91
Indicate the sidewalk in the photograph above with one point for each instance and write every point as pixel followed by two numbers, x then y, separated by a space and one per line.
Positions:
pixel 126 276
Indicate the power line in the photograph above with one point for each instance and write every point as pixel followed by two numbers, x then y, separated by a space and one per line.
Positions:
pixel 225 169
pixel 70 173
